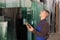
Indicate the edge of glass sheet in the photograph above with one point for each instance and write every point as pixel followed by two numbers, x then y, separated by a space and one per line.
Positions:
pixel 2 5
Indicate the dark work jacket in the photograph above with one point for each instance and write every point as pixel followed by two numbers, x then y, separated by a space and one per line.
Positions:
pixel 42 30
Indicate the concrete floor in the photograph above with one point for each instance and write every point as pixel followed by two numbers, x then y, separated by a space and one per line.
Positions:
pixel 54 36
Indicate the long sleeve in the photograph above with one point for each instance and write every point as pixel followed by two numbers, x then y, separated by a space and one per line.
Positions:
pixel 45 30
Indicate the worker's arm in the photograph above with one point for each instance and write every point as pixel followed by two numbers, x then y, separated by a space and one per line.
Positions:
pixel 45 30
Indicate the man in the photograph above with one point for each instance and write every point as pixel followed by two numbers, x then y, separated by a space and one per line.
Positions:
pixel 42 28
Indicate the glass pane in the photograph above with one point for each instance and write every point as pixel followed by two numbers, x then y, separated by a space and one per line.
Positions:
pixel 12 3
pixel 3 30
pixel 9 16
pixel 2 4
pixel 37 7
pixel 25 3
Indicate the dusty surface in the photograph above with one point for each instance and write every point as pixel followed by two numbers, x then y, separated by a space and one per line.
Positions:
pixel 54 36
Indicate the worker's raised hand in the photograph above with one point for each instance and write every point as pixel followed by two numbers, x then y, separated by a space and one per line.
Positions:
pixel 29 27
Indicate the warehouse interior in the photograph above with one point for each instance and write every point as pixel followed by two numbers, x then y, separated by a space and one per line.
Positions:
pixel 14 14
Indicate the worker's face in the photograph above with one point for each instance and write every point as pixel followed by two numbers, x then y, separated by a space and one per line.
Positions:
pixel 43 14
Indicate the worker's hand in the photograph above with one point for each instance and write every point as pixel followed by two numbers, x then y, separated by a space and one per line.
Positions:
pixel 29 27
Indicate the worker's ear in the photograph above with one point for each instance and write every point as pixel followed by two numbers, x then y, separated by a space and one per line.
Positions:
pixel 47 14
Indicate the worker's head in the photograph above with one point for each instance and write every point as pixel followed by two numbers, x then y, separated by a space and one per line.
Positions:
pixel 44 13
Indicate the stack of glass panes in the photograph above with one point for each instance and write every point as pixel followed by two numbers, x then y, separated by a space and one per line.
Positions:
pixel 9 3
pixel 3 29
pixel 14 3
